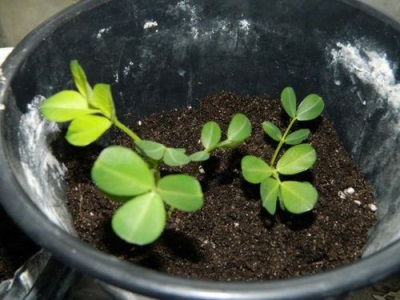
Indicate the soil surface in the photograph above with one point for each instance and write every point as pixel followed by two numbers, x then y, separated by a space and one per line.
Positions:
pixel 232 237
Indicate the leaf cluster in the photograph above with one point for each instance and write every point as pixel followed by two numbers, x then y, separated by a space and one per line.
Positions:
pixel 294 196
pixel 132 176
pixel 211 139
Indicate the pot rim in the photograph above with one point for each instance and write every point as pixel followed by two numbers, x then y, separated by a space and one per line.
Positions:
pixel 93 262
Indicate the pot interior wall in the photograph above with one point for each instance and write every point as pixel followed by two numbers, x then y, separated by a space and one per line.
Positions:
pixel 159 55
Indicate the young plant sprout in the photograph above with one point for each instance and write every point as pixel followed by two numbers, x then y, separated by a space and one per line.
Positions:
pixel 293 196
pixel 133 175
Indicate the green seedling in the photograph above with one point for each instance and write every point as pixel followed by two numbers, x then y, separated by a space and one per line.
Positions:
pixel 294 196
pixel 239 129
pixel 133 176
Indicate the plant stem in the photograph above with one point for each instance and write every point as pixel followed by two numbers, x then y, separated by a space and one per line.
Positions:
pixel 155 166
pixel 129 132
pixel 170 211
pixel 282 141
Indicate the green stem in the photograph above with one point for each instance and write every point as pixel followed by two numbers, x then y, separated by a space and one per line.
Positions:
pixel 156 170
pixel 129 132
pixel 221 145
pixel 170 211
pixel 282 141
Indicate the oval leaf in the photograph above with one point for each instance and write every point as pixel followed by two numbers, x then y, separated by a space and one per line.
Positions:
pixel 103 100
pixel 272 131
pixel 297 159
pixel 141 220
pixel 310 108
pixel 65 106
pixel 182 192
pixel 288 100
pixel 254 169
pixel 86 129
pixel 175 157
pixel 297 136
pixel 210 134
pixel 121 172
pixel 298 197
pixel 239 128
pixel 269 190
pixel 80 79
pixel 152 149
pixel 199 156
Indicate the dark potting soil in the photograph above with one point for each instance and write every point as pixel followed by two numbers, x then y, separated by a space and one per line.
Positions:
pixel 232 237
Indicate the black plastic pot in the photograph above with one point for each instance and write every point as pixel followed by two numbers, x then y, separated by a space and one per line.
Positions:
pixel 163 54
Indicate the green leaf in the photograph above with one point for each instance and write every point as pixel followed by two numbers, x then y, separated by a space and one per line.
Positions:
pixel 239 128
pixel 269 190
pixel 310 108
pixel 298 197
pixel 272 131
pixel 288 100
pixel 141 220
pixel 80 79
pixel 297 159
pixel 103 100
pixel 120 171
pixel 65 106
pixel 199 156
pixel 254 169
pixel 86 129
pixel 210 134
pixel 175 157
pixel 297 136
pixel 182 192
pixel 152 149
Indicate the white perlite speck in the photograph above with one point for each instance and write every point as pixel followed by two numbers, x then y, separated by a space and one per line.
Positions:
pixel 371 67
pixel 349 191
pixel 342 195
pixel 346 192
pixel 373 207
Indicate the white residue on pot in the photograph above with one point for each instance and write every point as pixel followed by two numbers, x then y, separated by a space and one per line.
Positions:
pixel 369 66
pixel 150 24
pixel 185 6
pixel 181 72
pixel 127 69
pixel 189 11
pixel 2 78
pixel 43 173
pixel 2 107
pixel 192 14
pixel 116 77
pixel 102 32
pixel 244 25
